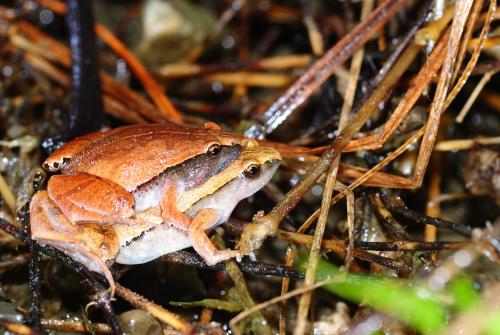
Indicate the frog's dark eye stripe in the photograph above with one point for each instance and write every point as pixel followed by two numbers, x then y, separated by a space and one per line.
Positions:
pixel 214 150
pixel 252 171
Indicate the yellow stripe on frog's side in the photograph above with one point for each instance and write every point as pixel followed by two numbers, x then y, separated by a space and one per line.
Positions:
pixel 251 154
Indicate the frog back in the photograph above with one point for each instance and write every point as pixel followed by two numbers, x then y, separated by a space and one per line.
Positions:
pixel 133 155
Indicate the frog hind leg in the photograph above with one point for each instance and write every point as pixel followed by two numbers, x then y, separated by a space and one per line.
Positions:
pixel 85 197
pixel 204 220
pixel 93 245
pixel 169 211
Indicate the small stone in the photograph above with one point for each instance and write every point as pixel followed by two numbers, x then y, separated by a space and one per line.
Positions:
pixel 137 321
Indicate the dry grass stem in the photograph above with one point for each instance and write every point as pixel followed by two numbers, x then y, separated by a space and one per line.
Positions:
pixel 157 311
pixel 473 96
pixel 7 195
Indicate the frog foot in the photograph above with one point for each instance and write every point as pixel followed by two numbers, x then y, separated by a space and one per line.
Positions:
pixel 203 220
pixel 220 256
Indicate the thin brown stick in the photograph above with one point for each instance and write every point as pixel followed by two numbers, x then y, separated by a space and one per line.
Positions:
pixel 313 259
pixel 256 79
pixel 339 246
pixel 473 96
pixel 434 191
pixel 18 328
pixel 157 311
pixel 469 29
pixel 7 195
pixel 313 32
pixel 431 33
pixel 475 55
pixel 184 70
pixel 72 326
pixel 14 262
pixel 462 10
pixel 466 144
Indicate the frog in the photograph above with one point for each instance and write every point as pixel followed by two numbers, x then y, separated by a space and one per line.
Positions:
pixel 134 193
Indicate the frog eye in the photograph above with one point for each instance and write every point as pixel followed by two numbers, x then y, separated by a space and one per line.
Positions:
pixel 54 166
pixel 214 150
pixel 252 171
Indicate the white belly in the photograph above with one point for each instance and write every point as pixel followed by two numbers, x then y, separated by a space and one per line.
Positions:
pixel 154 243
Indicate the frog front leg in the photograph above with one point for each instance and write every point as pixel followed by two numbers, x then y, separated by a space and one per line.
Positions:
pixel 93 245
pixel 168 207
pixel 204 220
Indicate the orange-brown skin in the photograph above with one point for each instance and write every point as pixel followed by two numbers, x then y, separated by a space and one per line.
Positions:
pixel 92 244
pixel 85 197
pixel 95 184
pixel 151 149
pixel 63 154
pixel 81 206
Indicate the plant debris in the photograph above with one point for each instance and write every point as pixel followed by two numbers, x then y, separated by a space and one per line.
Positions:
pixel 383 217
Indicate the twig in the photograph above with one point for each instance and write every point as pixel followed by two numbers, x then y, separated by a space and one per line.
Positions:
pixel 430 34
pixel 7 195
pixel 473 96
pixel 437 107
pixel 467 144
pixel 264 226
pixel 396 205
pixel 35 285
pixel 339 246
pixel 267 80
pixel 156 310
pixel 395 230
pixel 183 70
pixel 19 328
pixel 433 209
pixel 71 326
pixel 15 261
pixel 313 32
pixel 250 267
